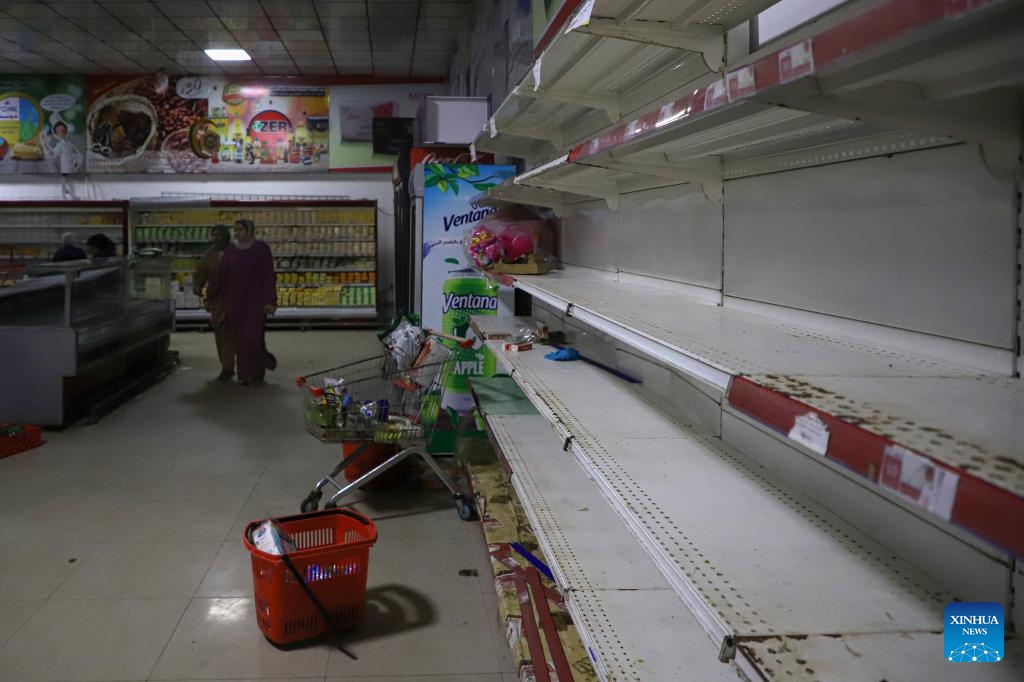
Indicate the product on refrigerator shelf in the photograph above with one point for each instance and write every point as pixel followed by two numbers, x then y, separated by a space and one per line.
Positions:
pixel 513 240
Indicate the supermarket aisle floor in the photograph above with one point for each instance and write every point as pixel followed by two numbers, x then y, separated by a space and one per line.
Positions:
pixel 121 554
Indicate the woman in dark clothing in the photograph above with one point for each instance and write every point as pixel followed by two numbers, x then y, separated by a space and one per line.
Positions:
pixel 245 285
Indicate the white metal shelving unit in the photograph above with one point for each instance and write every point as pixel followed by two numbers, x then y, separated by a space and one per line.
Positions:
pixel 751 560
pixel 965 419
pixel 610 61
pixel 818 408
pixel 899 76
pixel 611 588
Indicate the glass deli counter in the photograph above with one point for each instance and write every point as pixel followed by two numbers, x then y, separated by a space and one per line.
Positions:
pixel 72 337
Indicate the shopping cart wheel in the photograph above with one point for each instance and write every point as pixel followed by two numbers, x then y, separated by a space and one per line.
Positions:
pixel 311 502
pixel 467 512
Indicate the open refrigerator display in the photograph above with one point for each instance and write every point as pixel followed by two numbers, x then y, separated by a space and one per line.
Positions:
pixel 31 232
pixel 325 253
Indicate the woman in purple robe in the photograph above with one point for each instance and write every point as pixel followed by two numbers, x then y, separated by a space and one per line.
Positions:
pixel 246 283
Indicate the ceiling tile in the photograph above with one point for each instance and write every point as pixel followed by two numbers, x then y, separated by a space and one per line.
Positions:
pixel 351 54
pixel 444 9
pixel 49 22
pixel 296 23
pixel 391 9
pixel 396 23
pixel 22 10
pixel 130 9
pixel 300 35
pixel 441 23
pixel 341 9
pixel 317 70
pixel 257 37
pixel 344 23
pixel 236 8
pixel 78 9
pixel 288 8
pixel 145 22
pixel 236 23
pixel 71 35
pixel 183 8
pixel 198 23
pixel 279 70
pixel 266 48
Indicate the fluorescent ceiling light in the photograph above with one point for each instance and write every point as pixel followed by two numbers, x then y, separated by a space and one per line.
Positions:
pixel 228 55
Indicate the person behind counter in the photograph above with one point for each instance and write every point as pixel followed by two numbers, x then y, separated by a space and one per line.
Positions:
pixel 100 248
pixel 245 281
pixel 69 249
pixel 206 274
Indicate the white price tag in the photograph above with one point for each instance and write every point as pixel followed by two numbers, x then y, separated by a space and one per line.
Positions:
pixel 582 17
pixel 715 95
pixel 740 83
pixel 494 128
pixel 472 151
pixel 536 73
pixel 919 480
pixel 811 432
pixel 796 62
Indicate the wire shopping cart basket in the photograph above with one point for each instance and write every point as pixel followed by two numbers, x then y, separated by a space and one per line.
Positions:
pixel 371 402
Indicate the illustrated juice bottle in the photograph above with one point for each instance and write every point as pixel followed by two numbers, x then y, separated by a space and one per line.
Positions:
pixel 465 293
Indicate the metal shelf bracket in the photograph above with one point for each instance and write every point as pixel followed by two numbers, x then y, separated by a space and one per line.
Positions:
pixel 609 104
pixel 992 120
pixel 707 172
pixel 608 191
pixel 551 136
pixel 709 41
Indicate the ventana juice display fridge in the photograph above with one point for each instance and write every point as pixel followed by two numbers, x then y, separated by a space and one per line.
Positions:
pixel 448 290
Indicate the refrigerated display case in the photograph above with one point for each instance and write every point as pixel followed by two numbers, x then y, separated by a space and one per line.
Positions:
pixel 325 253
pixel 73 339
pixel 32 231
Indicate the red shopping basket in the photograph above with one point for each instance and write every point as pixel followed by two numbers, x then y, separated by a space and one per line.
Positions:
pixel 15 438
pixel 332 557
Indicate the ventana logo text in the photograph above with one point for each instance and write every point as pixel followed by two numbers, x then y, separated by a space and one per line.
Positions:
pixel 468 302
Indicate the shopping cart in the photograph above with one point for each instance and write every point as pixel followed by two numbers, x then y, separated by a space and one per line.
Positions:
pixel 372 402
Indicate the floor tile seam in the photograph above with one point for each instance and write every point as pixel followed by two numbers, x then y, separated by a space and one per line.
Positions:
pixel 170 636
pixel 10 638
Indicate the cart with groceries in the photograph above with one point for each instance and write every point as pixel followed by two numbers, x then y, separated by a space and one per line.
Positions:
pixel 390 399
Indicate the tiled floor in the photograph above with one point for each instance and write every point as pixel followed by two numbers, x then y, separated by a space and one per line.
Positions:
pixel 121 554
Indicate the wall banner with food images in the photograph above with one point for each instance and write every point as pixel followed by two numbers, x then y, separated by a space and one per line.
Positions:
pixel 353 111
pixel 42 124
pixel 206 125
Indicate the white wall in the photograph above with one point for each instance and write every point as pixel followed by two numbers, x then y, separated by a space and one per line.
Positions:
pixel 672 233
pixel 374 186
pixel 924 241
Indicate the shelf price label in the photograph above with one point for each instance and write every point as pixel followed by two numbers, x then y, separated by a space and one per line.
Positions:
pixel 919 480
pixel 811 432
pixel 796 61
pixel 715 95
pixel 740 83
pixel 582 17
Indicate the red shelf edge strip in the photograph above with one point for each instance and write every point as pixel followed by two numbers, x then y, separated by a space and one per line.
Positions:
pixel 883 23
pixel 992 513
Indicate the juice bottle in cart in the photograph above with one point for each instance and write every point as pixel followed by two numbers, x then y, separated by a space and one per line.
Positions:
pixel 465 293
